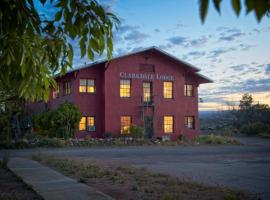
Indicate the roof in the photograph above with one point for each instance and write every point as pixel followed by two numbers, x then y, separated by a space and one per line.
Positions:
pixel 193 68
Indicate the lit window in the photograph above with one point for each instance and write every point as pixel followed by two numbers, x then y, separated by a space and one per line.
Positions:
pixel 168 124
pixel 91 123
pixel 147 91
pixel 168 90
pixel 125 124
pixel 125 88
pixel 188 90
pixel 190 122
pixel 87 85
pixel 56 92
pixel 82 124
pixel 66 88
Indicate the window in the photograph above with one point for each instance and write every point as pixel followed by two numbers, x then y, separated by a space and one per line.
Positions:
pixel 91 123
pixel 125 122
pixel 190 122
pixel 87 85
pixel 188 90
pixel 66 88
pixel 82 124
pixel 168 90
pixel 125 88
pixel 87 123
pixel 147 92
pixel 147 68
pixel 56 92
pixel 168 124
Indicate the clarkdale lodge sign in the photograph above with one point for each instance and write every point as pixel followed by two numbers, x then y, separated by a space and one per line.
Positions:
pixel 146 76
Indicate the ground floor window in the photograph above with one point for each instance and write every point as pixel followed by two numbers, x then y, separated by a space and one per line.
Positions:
pixel 168 124
pixel 125 122
pixel 87 123
pixel 190 122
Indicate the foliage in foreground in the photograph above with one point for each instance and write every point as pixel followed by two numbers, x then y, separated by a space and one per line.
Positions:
pixel 36 44
pixel 137 183
pixel 59 123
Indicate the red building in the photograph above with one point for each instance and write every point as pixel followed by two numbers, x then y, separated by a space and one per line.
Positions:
pixel 149 88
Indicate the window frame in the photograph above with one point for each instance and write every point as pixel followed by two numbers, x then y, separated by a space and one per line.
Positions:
pixel 187 122
pixel 122 125
pixel 85 124
pixel 124 97
pixel 150 92
pixel 65 88
pixel 87 85
pixel 186 90
pixel 172 90
pixel 168 124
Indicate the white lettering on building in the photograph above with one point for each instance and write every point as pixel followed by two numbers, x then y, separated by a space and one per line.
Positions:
pixel 146 76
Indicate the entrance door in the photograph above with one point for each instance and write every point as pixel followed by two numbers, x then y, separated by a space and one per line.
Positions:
pixel 148 127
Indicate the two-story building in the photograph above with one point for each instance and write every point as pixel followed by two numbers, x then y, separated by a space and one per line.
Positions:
pixel 148 88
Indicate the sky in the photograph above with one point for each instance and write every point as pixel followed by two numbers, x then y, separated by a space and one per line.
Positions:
pixel 232 51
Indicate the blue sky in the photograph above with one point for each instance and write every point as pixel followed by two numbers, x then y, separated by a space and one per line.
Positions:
pixel 232 51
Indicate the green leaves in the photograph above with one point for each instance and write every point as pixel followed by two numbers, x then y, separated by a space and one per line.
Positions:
pixel 261 8
pixel 33 48
pixel 236 6
pixel 203 9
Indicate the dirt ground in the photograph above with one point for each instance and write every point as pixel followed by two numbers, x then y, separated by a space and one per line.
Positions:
pixel 124 182
pixel 12 188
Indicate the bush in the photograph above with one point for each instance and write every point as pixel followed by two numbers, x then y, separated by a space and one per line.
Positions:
pixel 136 131
pixel 60 123
pixel 255 128
pixel 216 139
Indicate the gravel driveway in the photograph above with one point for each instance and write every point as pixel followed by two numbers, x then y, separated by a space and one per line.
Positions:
pixel 245 166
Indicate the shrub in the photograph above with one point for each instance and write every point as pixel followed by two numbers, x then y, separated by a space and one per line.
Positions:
pixel 136 131
pixel 60 123
pixel 254 128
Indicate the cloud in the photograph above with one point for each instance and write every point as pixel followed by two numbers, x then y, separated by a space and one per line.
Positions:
pixel 126 28
pixel 218 52
pixel 231 37
pixel 177 40
pixel 267 69
pixel 244 47
pixel 157 30
pixel 136 36
pixel 239 67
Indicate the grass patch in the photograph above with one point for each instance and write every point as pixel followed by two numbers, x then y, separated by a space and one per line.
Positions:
pixel 216 139
pixel 126 182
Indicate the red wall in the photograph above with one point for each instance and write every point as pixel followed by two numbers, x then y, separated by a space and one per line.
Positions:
pixel 107 106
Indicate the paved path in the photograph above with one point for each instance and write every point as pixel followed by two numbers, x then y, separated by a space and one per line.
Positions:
pixel 50 184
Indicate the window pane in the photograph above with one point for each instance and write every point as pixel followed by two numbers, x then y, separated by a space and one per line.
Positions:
pixel 168 124
pixel 189 90
pixel 190 122
pixel 125 88
pixel 125 124
pixel 91 121
pixel 82 125
pixel 147 91
pixel 91 86
pixel 168 90
pixel 82 85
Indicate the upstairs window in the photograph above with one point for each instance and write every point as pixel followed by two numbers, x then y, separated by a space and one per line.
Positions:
pixel 168 124
pixel 56 92
pixel 190 122
pixel 125 122
pixel 66 88
pixel 168 89
pixel 87 86
pixel 188 90
pixel 125 89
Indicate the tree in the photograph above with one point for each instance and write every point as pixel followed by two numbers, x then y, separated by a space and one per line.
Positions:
pixel 246 102
pixel 33 47
pixel 259 7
